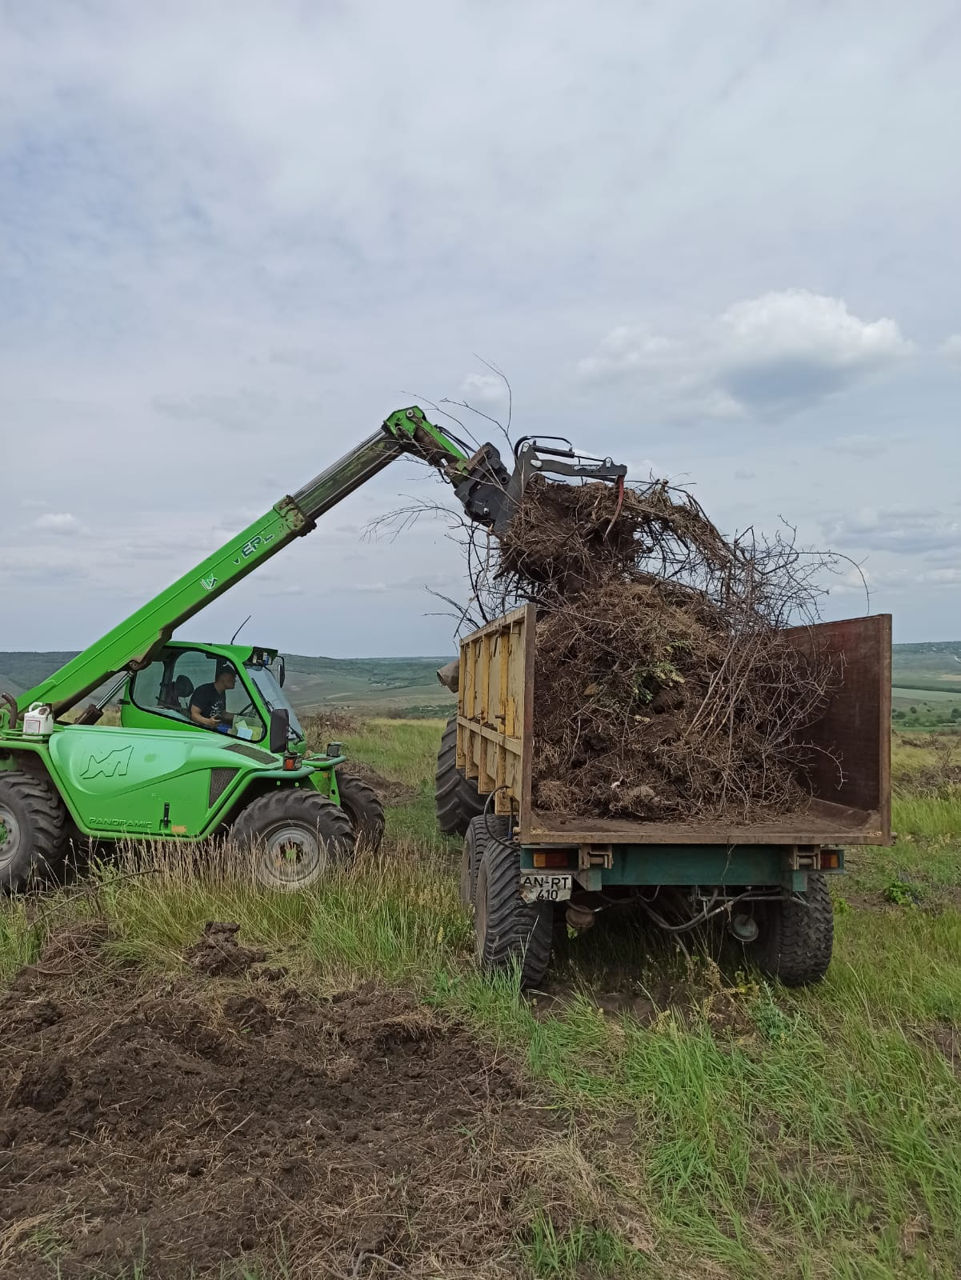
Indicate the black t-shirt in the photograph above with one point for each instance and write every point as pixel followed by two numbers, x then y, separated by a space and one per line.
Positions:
pixel 209 700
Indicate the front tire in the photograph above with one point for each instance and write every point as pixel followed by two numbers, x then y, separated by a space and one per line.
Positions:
pixel 363 807
pixel 456 798
pixel 796 937
pixel 294 838
pixel 33 829
pixel 509 933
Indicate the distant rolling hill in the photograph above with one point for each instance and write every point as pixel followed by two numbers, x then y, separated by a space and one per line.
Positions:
pixel 928 666
pixel 929 673
pixel 373 684
pixel 927 685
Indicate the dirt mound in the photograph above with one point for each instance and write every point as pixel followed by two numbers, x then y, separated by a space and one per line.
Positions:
pixel 389 790
pixel 218 952
pixel 322 726
pixel 208 1126
pixel 666 686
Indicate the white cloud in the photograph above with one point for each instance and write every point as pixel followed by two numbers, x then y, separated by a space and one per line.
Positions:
pixel 642 469
pixel 193 257
pixel 239 411
pixel 951 348
pixel 61 522
pixel 860 445
pixel 905 530
pixel 771 354
pixel 895 581
pixel 795 327
pixel 630 349
pixel 485 390
pixel 942 577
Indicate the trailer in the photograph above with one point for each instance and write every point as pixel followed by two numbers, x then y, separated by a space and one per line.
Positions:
pixel 529 874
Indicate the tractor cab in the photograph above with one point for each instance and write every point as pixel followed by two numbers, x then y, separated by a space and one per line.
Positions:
pixel 185 674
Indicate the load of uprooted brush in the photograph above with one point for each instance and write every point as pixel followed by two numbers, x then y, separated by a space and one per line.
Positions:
pixel 667 686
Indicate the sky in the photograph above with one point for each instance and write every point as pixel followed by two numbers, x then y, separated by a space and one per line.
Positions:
pixel 719 243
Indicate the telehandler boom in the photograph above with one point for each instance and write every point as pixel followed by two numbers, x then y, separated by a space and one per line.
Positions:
pixel 161 774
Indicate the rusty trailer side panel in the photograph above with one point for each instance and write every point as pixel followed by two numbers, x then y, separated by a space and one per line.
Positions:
pixel 850 781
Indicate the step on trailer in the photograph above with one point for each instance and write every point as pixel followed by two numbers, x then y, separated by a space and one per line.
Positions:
pixel 529 873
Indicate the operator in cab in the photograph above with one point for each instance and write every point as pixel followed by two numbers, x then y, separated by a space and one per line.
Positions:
pixel 208 702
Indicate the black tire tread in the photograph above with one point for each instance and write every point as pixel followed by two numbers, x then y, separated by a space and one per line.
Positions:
pixel 325 817
pixel 48 820
pixel 456 799
pixel 798 939
pixel 518 932
pixel 480 830
pixel 364 809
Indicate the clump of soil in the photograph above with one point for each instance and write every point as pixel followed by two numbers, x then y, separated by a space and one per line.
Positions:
pixel 666 686
pixel 219 952
pixel 212 1125
pixel 321 726
pixel 389 790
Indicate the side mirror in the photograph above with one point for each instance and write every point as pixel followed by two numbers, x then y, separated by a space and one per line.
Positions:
pixel 279 731
pixel 281 670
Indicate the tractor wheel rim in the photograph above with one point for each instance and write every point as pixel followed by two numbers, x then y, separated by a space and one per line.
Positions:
pixel 291 855
pixel 9 835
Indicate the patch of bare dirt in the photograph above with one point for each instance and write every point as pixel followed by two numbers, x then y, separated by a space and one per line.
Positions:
pixel 389 790
pixel 948 1040
pixel 699 993
pixel 208 1124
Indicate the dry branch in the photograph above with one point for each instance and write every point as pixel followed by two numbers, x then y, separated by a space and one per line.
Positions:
pixel 666 686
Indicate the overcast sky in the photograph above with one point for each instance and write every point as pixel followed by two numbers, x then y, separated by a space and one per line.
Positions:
pixel 716 240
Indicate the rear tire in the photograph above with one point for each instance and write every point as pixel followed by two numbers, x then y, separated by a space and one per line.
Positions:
pixel 509 933
pixel 796 938
pixel 294 837
pixel 364 808
pixel 456 798
pixel 33 829
pixel 479 831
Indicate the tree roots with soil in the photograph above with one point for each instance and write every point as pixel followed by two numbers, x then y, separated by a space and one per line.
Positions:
pixel 667 684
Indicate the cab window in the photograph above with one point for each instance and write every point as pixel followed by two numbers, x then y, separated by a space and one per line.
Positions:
pixel 167 686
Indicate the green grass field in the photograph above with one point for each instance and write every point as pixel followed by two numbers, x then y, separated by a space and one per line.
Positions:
pixel 710 1124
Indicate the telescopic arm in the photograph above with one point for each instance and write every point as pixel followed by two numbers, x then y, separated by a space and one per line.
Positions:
pixel 485 489
pixel 132 643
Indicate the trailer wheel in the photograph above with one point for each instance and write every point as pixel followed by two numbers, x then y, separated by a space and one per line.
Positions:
pixel 456 799
pixel 796 937
pixel 33 829
pixel 294 837
pixel 364 808
pixel 479 831
pixel 508 931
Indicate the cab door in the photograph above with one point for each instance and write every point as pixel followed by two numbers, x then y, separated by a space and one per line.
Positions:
pixel 135 781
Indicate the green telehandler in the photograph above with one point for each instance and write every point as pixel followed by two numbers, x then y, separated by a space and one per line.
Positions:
pixel 168 772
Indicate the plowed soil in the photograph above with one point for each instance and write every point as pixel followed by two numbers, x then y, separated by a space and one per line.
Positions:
pixel 220 1122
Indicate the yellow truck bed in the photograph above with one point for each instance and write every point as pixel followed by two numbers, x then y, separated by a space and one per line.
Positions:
pixel 849 805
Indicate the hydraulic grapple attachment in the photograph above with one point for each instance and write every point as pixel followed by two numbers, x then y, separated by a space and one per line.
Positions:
pixel 490 495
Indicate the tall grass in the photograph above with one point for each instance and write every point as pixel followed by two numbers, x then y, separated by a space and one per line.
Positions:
pixel 390 915
pixel 736 1129
pixel 927 817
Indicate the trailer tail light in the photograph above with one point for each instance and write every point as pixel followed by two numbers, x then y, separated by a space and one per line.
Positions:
pixel 830 859
pixel 552 858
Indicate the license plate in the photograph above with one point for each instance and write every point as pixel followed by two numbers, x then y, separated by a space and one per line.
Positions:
pixel 539 886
